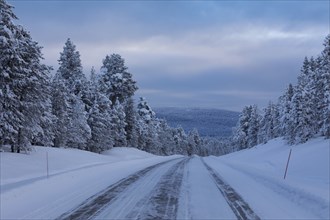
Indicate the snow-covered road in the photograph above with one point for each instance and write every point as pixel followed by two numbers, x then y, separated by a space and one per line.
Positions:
pixel 185 188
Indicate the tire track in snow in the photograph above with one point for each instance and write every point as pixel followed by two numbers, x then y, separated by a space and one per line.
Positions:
pixel 241 209
pixel 89 208
pixel 163 201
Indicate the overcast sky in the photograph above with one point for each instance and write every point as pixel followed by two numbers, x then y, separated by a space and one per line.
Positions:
pixel 209 54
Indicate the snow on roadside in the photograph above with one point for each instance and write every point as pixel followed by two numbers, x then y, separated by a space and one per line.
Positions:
pixel 22 167
pixel 79 175
pixel 257 174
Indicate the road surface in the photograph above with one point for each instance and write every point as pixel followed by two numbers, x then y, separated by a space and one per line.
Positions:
pixel 185 188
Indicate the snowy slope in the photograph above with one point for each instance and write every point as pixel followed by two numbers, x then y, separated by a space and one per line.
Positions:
pixel 17 168
pixel 257 174
pixel 75 175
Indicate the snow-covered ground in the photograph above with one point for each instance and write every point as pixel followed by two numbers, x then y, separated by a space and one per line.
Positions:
pixel 75 175
pixel 257 175
pixel 184 189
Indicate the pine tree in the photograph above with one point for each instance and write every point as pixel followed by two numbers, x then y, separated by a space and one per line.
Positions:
pixel 130 120
pixel 23 83
pixel 318 96
pixel 144 111
pixel 181 141
pixel 276 118
pixel 116 82
pixel 118 85
pixel 60 108
pixel 119 124
pixel 73 86
pixel 78 130
pixel 325 77
pixel 70 69
pixel 194 145
pixel 287 120
pixel 302 105
pixel 147 127
pixel 253 129
pixel 241 130
pixel 165 135
pixel 100 122
pixel 91 90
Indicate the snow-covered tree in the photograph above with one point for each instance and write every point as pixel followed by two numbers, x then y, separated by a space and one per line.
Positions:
pixel 116 82
pixel 23 83
pixel 145 112
pixel 60 108
pixel 119 124
pixel 302 106
pixel 147 126
pixel 100 122
pixel 130 119
pixel 118 85
pixel 166 139
pixel 181 141
pixel 287 128
pixel 91 90
pixel 68 105
pixel 325 77
pixel 70 68
pixel 241 130
pixel 270 126
pixel 194 143
pixel 78 130
pixel 254 126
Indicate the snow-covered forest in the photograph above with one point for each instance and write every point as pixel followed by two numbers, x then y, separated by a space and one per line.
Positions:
pixel 97 114
pixel 301 113
pixel 69 110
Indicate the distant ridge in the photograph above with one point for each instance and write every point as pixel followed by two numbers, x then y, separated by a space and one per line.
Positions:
pixel 209 122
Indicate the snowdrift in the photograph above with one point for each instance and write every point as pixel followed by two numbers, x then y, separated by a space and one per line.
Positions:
pixel 23 167
pixel 74 176
pixel 304 194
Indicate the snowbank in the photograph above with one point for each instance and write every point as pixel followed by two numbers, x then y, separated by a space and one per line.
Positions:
pixel 257 174
pixel 75 175
pixel 20 169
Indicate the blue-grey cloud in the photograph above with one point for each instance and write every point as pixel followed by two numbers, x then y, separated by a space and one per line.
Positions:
pixel 222 54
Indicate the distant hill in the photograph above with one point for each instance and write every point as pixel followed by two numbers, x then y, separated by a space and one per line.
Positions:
pixel 209 122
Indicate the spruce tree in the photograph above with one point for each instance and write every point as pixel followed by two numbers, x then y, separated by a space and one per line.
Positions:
pixel 70 69
pixel 287 120
pixel 147 127
pixel 325 77
pixel 61 109
pixel 73 83
pixel 302 105
pixel 119 124
pixel 100 122
pixel 23 83
pixel 253 129
pixel 241 130
pixel 130 120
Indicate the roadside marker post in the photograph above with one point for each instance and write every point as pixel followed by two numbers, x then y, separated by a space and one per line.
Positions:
pixel 287 164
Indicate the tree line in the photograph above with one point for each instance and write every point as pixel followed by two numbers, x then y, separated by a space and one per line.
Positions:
pixel 69 110
pixel 301 113
pixel 96 114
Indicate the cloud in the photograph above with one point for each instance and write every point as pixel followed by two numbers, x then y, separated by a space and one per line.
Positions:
pixel 203 53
